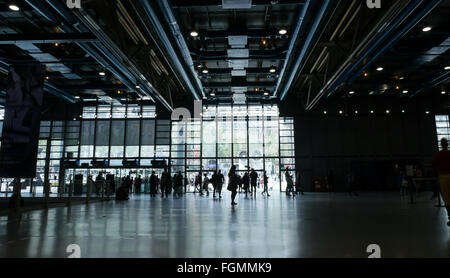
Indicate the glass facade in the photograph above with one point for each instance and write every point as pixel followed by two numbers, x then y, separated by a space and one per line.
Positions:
pixel 249 136
pixel 442 128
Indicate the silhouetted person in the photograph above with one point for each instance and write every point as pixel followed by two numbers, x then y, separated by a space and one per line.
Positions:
pixel 289 183
pixel 266 181
pixel 206 184
pixel 178 184
pixel 441 163
pixel 253 179
pixel 214 180
pixel 99 182
pixel 246 183
pixel 233 182
pixel 198 183
pixel 185 184
pixel 165 183
pixel 137 185
pixel 220 181
pixel 122 192
pixel 330 180
pixel 153 184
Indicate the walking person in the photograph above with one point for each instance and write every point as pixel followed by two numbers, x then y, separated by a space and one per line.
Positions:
pixel 178 184
pixel 137 185
pixel 198 183
pixel 153 184
pixel 246 183
pixel 289 183
pixel 233 184
pixel 206 184
pixel 165 183
pixel 214 180
pixel 266 181
pixel 441 163
pixel 220 182
pixel 253 179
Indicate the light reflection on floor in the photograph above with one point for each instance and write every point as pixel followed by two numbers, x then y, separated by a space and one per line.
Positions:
pixel 314 225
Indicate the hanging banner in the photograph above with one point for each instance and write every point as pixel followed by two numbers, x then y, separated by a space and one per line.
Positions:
pixel 20 136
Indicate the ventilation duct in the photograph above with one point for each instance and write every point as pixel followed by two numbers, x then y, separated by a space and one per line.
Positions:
pixel 236 4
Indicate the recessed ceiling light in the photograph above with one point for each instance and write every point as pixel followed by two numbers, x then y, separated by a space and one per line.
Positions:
pixel 205 71
pixel 405 91
pixel 283 31
pixel 266 93
pixel 427 112
pixel 356 112
pixel 426 29
pixel 443 92
pixel 213 94
pixel 272 69
pixel 388 111
pixel 447 68
pixel 401 78
pixel 397 87
pixel 325 112
pixel 77 97
pixel 138 87
pixel 380 69
pixel 13 7
pixel 351 92
pixel 371 111
pixel 194 34
pixel 102 73
pixel 403 111
pixel 341 112
pixel 366 74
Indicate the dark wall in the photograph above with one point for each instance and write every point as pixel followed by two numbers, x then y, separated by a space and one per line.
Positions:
pixel 370 144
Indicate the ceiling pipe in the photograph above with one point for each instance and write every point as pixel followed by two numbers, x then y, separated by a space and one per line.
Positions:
pixel 303 52
pixel 111 52
pixel 431 5
pixel 162 35
pixel 294 38
pixel 66 26
pixel 351 63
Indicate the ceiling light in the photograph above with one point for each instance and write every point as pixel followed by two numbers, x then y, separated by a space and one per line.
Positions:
pixel 351 92
pixel 213 94
pixel 264 42
pixel 13 7
pixel 388 111
pixel 341 112
pixel 194 34
pixel 47 77
pixel 405 91
pixel 371 111
pixel 199 66
pixel 401 78
pixel 443 92
pixel 426 29
pixel 102 73
pixel 447 68
pixel 205 71
pixel 427 112
pixel 325 112
pixel 273 69
pixel 77 97
pixel 56 44
pixel 266 93
pixel 397 87
pixel 356 112
pixel 403 111
pixel 366 74
pixel 138 87
pixel 283 31
pixel 380 69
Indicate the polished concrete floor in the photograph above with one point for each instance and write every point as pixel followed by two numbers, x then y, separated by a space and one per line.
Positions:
pixel 313 225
